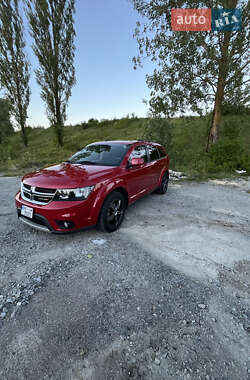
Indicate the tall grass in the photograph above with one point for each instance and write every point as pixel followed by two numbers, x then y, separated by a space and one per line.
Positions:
pixel 184 138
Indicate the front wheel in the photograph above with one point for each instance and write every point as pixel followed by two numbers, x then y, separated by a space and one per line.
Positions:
pixel 112 213
pixel 164 184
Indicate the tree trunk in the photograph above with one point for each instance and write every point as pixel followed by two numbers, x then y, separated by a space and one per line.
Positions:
pixel 214 129
pixel 24 135
pixel 22 118
pixel 22 123
pixel 220 92
pixel 59 124
pixel 59 133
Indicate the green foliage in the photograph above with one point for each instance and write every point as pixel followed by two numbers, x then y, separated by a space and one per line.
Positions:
pixel 53 33
pixel 43 150
pixel 189 64
pixel 235 109
pixel 162 131
pixel 228 153
pixel 93 122
pixel 6 128
pixel 14 65
pixel 184 139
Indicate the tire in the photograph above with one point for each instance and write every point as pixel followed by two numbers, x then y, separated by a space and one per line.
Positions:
pixel 164 184
pixel 112 212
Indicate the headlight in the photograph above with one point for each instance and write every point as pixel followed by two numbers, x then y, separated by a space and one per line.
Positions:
pixel 73 194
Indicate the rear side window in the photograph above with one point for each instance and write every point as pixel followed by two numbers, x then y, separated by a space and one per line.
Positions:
pixel 153 153
pixel 139 152
pixel 161 152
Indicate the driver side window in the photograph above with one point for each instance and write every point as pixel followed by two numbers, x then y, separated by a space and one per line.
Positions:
pixel 139 152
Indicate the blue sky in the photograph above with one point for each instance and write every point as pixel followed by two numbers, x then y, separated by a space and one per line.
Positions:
pixel 107 85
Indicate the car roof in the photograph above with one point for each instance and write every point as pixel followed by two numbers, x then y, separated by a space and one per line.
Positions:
pixel 128 142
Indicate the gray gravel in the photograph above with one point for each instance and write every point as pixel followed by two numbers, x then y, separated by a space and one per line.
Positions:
pixel 165 297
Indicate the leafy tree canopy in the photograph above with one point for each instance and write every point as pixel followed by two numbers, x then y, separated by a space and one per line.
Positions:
pixel 192 65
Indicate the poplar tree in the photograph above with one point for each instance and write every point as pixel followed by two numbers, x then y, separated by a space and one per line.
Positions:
pixel 6 128
pixel 14 65
pixel 52 30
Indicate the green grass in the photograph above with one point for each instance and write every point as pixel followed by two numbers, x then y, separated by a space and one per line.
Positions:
pixel 43 149
pixel 187 148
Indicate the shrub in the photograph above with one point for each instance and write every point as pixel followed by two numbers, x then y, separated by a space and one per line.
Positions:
pixel 227 154
pixel 161 131
pixel 235 109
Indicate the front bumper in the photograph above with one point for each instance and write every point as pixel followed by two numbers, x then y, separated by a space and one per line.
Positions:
pixel 51 217
pixel 44 226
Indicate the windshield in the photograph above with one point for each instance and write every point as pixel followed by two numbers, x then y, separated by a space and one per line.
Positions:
pixel 100 154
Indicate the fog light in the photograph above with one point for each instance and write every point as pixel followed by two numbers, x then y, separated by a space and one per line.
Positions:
pixel 65 224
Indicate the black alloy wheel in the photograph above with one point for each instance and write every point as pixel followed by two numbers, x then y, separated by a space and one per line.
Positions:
pixel 112 213
pixel 164 184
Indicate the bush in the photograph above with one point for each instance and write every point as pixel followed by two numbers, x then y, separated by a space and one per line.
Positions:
pixel 235 109
pixel 106 123
pixel 228 154
pixel 85 125
pixel 161 131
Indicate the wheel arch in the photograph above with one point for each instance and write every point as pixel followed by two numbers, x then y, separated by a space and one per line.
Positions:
pixel 121 190
pixel 162 174
pixel 102 196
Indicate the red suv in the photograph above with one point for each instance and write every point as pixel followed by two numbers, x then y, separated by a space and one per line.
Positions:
pixel 94 187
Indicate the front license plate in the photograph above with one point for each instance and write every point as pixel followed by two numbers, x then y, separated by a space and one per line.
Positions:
pixel 27 211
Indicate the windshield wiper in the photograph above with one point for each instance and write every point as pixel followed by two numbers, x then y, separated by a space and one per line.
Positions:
pixel 86 163
pixel 81 162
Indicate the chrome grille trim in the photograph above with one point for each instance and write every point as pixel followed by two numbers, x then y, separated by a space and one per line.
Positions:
pixel 41 197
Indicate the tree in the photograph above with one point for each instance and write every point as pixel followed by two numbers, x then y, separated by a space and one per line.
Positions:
pixel 195 69
pixel 14 65
pixel 6 128
pixel 52 30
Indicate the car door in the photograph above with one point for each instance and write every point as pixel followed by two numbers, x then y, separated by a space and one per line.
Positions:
pixel 155 166
pixel 137 177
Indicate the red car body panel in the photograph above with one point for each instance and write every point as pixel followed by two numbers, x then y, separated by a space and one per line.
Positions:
pixel 134 182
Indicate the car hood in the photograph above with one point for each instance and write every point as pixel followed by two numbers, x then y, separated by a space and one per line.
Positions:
pixel 69 176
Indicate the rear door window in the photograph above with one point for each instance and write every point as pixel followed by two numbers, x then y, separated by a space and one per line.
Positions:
pixel 153 153
pixel 161 152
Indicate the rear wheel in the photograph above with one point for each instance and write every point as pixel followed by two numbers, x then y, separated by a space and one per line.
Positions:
pixel 112 213
pixel 164 184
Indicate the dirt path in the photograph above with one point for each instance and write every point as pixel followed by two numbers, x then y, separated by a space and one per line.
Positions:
pixel 165 297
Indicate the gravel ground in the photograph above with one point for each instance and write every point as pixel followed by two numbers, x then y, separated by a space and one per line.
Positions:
pixel 165 297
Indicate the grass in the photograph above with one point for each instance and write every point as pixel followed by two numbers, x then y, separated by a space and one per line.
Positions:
pixel 187 150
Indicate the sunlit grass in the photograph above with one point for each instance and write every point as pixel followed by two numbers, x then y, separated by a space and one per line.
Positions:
pixel 189 142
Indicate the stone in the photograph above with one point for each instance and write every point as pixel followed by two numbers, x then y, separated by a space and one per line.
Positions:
pixel 247 328
pixel 99 241
pixel 202 306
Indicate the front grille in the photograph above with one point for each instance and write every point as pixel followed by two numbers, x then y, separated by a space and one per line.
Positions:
pixel 38 195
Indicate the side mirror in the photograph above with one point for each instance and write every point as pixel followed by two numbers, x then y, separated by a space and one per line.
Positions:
pixel 137 161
